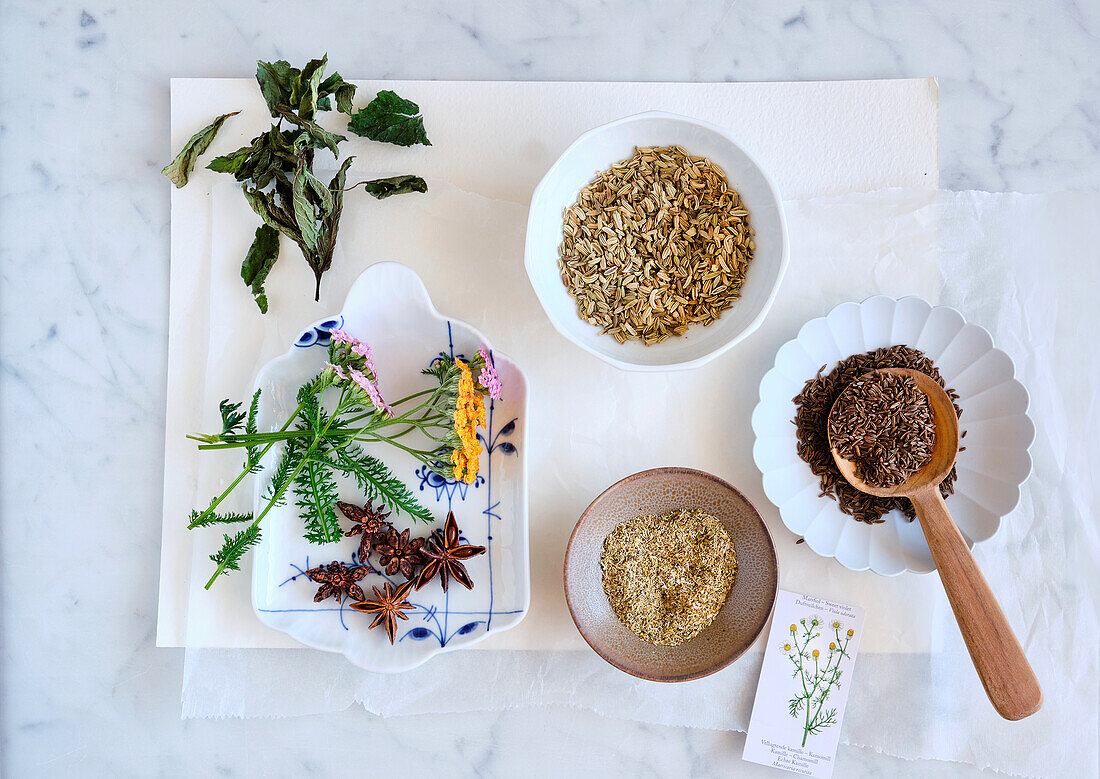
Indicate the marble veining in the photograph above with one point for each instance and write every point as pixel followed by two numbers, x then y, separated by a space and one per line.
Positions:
pixel 83 347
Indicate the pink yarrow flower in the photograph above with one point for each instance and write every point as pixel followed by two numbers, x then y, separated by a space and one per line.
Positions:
pixel 371 389
pixel 363 350
pixel 360 348
pixel 488 377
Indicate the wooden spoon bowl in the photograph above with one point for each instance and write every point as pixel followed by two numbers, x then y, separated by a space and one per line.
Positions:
pixel 944 451
pixel 998 657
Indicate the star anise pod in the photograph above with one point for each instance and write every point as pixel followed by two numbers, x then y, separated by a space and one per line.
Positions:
pixel 370 522
pixel 399 553
pixel 444 553
pixel 388 606
pixel 337 580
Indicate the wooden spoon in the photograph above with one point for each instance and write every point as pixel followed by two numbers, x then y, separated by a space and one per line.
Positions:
pixel 998 657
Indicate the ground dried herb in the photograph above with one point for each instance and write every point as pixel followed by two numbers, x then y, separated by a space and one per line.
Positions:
pixel 668 576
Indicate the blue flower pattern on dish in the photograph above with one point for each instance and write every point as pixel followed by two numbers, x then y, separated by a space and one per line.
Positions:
pixel 436 621
pixel 319 333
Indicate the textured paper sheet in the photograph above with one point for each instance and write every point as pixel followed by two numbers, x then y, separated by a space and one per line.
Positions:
pixel 1019 265
pixel 493 140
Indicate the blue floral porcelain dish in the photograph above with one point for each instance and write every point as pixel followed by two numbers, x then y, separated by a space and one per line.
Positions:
pixel 389 308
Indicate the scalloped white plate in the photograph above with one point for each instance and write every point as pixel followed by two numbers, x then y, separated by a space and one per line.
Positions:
pixel 991 469
pixel 389 308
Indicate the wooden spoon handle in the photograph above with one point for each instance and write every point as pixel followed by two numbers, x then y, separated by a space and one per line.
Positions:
pixel 998 657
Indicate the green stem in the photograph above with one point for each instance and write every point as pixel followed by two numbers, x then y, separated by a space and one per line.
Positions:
pixel 278 494
pixel 239 440
pixel 346 434
pixel 240 477
pixel 423 423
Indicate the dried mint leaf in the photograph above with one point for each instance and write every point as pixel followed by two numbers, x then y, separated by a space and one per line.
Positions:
pixel 322 195
pixel 305 215
pixel 326 242
pixel 234 161
pixel 395 185
pixel 179 169
pixel 390 119
pixel 276 167
pixel 278 81
pixel 259 261
pixel 343 91
pixel 320 137
pixel 305 91
pixel 309 83
pixel 261 160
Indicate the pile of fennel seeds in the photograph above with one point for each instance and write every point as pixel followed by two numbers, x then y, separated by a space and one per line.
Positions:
pixel 654 244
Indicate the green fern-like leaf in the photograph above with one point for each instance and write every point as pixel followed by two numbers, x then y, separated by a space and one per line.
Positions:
pixel 794 705
pixel 309 394
pixel 234 548
pixel 377 481
pixel 313 387
pixel 200 519
pixel 253 461
pixel 309 418
pixel 288 460
pixel 232 416
pixel 444 372
pixel 317 495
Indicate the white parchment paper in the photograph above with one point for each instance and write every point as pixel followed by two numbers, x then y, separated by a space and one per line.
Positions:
pixel 496 139
pixel 1021 265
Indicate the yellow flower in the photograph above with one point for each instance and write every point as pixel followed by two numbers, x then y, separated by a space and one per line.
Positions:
pixel 458 460
pixel 832 645
pixel 792 628
pixel 851 633
pixel 786 647
pixel 468 415
pixel 816 653
pixel 836 624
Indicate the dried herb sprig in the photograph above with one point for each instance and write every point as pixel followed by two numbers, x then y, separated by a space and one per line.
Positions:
pixel 276 167
pixel 317 444
pixel 179 169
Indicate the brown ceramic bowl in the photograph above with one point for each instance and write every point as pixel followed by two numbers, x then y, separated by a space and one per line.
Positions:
pixel 740 621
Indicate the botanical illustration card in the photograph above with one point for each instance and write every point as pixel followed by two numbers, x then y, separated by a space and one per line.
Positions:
pixel 804 684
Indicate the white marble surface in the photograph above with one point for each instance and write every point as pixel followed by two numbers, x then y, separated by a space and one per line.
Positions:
pixel 84 249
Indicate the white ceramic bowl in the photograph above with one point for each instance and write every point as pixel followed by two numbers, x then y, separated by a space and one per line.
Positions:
pixel 596 151
pixel 999 432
